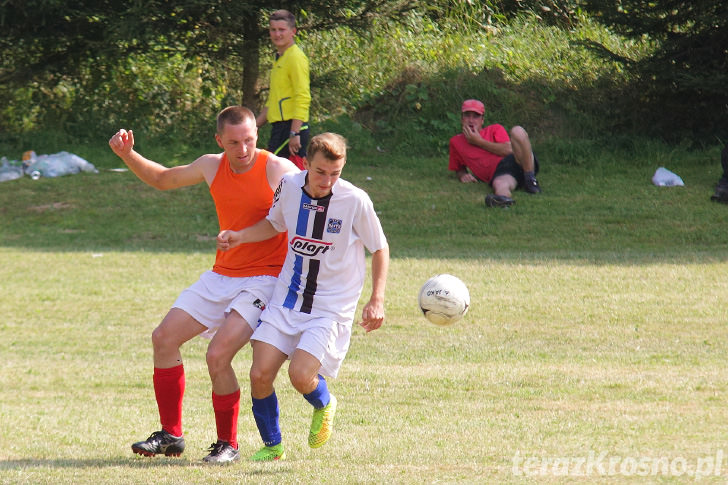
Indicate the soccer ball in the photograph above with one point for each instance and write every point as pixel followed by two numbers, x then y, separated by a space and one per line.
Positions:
pixel 444 299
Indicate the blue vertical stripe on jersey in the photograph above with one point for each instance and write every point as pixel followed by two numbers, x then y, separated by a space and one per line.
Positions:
pixel 294 284
pixel 301 228
pixel 302 223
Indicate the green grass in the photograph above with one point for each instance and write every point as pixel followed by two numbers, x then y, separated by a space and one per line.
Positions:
pixel 595 205
pixel 597 325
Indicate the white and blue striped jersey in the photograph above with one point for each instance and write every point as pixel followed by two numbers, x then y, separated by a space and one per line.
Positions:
pixel 325 266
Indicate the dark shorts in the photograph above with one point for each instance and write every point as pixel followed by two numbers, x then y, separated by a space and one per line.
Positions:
pixel 279 135
pixel 509 166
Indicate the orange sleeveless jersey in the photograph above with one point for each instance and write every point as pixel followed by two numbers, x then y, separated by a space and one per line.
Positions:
pixel 241 200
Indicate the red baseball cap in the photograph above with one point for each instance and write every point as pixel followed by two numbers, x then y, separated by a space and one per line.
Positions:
pixel 473 105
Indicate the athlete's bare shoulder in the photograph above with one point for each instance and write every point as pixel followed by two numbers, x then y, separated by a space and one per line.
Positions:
pixel 208 164
pixel 276 168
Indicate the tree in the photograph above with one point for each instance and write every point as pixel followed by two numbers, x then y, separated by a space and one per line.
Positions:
pixel 43 41
pixel 682 85
pixel 226 28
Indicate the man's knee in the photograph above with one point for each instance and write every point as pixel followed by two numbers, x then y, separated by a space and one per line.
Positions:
pixel 175 329
pixel 504 182
pixel 519 134
pixel 302 381
pixel 260 376
pixel 217 356
pixel 161 337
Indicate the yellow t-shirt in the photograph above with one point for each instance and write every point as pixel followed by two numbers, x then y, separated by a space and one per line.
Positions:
pixel 290 93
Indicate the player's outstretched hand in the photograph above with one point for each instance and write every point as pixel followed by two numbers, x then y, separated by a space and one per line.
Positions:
pixel 122 142
pixel 372 316
pixel 227 240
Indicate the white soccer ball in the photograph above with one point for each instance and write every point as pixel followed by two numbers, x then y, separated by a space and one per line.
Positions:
pixel 444 299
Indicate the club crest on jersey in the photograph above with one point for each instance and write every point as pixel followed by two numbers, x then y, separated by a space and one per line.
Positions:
pixel 313 207
pixel 334 226
pixel 309 247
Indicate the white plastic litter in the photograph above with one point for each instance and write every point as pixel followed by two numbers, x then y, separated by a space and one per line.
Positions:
pixel 57 164
pixel 665 178
pixel 10 169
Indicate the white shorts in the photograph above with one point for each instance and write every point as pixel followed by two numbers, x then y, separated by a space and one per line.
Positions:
pixel 211 299
pixel 321 337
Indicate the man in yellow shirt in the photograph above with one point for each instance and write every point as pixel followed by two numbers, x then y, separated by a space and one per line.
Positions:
pixel 290 95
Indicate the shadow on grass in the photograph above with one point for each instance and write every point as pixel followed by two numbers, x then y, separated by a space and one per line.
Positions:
pixel 585 257
pixel 425 214
pixel 131 462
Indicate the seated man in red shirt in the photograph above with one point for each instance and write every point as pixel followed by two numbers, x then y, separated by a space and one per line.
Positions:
pixel 490 155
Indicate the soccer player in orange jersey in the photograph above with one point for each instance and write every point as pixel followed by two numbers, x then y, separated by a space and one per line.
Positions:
pixel 225 303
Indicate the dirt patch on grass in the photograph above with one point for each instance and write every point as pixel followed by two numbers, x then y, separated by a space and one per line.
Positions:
pixel 50 207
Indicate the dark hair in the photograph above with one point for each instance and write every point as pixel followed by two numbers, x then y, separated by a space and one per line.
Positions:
pixel 233 115
pixel 284 15
pixel 331 146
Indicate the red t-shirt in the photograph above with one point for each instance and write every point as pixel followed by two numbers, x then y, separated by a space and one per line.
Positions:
pixel 481 162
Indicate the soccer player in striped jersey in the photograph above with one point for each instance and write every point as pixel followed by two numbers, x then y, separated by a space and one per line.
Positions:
pixel 310 315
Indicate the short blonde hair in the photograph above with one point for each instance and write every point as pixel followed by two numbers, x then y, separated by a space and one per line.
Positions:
pixel 331 145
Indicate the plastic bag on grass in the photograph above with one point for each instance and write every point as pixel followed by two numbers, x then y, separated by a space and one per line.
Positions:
pixel 57 165
pixel 10 170
pixel 665 178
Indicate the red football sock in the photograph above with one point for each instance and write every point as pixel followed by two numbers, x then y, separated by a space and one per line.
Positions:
pixel 169 388
pixel 226 416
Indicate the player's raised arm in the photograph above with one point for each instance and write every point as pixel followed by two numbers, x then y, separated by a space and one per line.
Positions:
pixel 157 175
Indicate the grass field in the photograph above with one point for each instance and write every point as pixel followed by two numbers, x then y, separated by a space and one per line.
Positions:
pixel 594 349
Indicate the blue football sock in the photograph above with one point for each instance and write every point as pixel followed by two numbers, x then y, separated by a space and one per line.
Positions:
pixel 266 414
pixel 319 397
